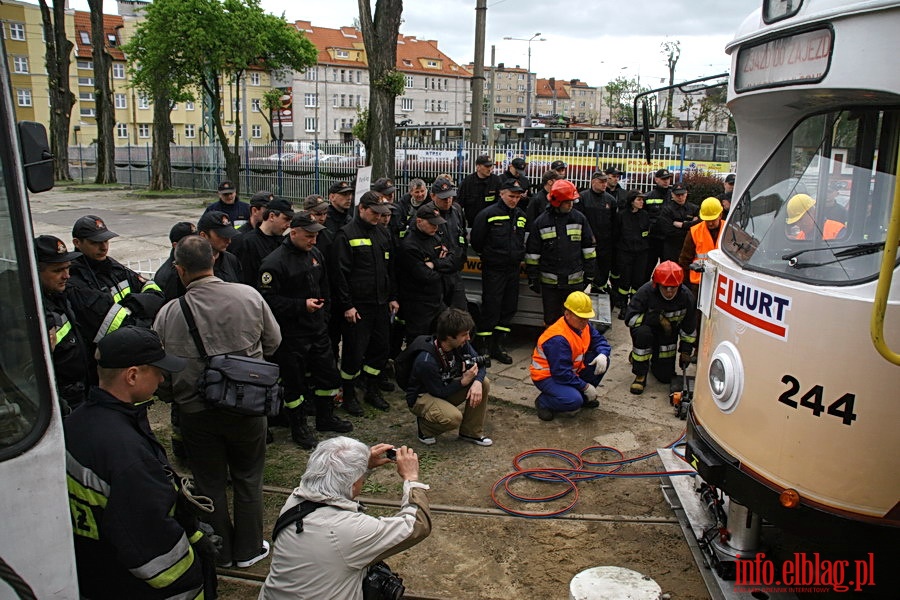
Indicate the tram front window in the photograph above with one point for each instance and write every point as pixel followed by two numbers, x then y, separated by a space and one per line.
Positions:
pixel 818 209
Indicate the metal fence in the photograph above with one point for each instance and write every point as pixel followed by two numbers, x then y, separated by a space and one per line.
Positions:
pixel 300 169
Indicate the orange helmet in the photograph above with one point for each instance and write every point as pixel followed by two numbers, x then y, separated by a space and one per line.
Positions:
pixel 668 274
pixel 563 190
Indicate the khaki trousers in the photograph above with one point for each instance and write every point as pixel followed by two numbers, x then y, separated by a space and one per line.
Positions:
pixel 437 415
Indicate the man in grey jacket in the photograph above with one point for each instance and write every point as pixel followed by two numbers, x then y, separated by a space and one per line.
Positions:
pixel 329 558
pixel 232 318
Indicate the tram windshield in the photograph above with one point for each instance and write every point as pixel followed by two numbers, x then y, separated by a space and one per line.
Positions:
pixel 818 210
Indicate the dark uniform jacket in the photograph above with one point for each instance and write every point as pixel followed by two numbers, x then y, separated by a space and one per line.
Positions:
pixel 537 205
pixel 122 495
pixel 476 193
pixel 673 237
pixel 403 217
pixel 600 210
pixel 632 229
pixel 435 374
pixel 452 234
pixel 653 204
pixel 560 250
pixel 287 277
pixel 238 212
pixel 421 284
pixel 521 178
pixel 647 306
pixel 228 268
pixel 167 279
pixel 620 194
pixel 336 219
pixel 498 235
pixel 360 267
pixel 252 249
pixel 70 358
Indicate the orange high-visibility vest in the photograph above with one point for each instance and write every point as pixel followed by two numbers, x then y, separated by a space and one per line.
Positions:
pixel 703 243
pixel 831 230
pixel 540 368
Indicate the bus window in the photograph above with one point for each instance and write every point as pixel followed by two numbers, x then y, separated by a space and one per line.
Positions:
pixel 817 209
pixel 699 146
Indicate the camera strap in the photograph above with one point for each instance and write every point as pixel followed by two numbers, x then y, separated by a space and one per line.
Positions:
pixel 295 514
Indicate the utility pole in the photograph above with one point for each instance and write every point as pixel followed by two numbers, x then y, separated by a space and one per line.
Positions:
pixel 493 88
pixel 528 86
pixel 478 75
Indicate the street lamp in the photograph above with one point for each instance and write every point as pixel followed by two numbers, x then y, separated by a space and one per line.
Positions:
pixel 528 75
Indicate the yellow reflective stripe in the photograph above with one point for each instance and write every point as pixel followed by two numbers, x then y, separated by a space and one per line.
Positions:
pixel 195 537
pixel 387 255
pixel 403 233
pixel 547 233
pixel 360 242
pixel 549 278
pixel 349 376
pixel 635 357
pixel 501 328
pixel 63 331
pixel 327 393
pixel 532 259
pixel 92 497
pixel 117 297
pixel 151 286
pixel 171 575
pixel 576 277
pixel 520 222
pixel 498 218
pixel 294 403
pixel 645 233
pixel 589 252
pixel 653 200
pixel 573 227
pixel 371 370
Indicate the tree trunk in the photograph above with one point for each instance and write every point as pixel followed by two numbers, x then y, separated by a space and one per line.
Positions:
pixel 106 119
pixel 161 163
pixel 380 38
pixel 59 49
pixel 232 164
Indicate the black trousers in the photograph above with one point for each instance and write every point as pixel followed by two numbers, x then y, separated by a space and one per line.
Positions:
pixel 652 350
pixel 499 297
pixel 654 255
pixel 455 291
pixel 631 269
pixel 553 299
pixel 420 316
pixel 308 369
pixel 366 342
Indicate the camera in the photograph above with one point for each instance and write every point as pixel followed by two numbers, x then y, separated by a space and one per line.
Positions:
pixel 391 453
pixel 482 360
pixel 382 584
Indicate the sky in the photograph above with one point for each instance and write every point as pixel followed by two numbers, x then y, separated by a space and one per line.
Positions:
pixel 592 40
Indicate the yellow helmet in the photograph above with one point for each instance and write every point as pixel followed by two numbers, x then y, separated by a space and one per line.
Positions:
pixel 580 304
pixel 710 209
pixel 797 207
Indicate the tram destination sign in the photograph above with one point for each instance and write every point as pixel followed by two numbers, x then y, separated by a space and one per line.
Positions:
pixel 790 60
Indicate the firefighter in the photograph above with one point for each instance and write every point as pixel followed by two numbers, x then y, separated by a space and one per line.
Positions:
pixel 252 247
pixel 452 234
pixel 499 237
pixel 653 203
pixel 675 221
pixel 560 256
pixel 661 316
pixel 632 227
pixel 703 237
pixel 479 189
pixel 599 206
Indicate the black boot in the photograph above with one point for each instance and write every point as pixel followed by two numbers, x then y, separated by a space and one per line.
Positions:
pixel 385 384
pixel 300 431
pixel 498 348
pixel 373 394
pixel 482 343
pixel 325 419
pixel 351 404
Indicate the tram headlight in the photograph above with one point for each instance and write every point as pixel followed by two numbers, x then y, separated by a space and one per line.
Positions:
pixel 726 377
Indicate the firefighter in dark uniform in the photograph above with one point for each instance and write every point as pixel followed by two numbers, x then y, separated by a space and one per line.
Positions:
pixel 632 229
pixel 364 292
pixel 675 221
pixel 479 189
pixel 662 319
pixel 409 203
pixel 653 203
pixel 219 230
pixel 166 276
pixel 516 170
pixel 70 360
pixel 340 196
pixel 423 259
pixel 600 209
pixel 258 203
pixel 498 235
pixel 452 234
pixel 133 536
pixel 614 188
pixel 317 207
pixel 560 257
pixel 252 247
pixel 294 283
pixel 237 210
pixel 538 203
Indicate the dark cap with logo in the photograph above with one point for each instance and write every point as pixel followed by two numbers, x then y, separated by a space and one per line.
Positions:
pixel 384 186
pixel 134 346
pixel 443 188
pixel 226 186
pixel 730 178
pixel 262 198
pixel 679 189
pixel 431 214
pixel 281 205
pixel 314 203
pixel 341 187
pixel 181 230
pixel 50 249
pixel 663 174
pixel 519 163
pixel 512 185
pixel 216 220
pixel 304 220
pixel 556 165
pixel 614 171
pixel 485 160
pixel 373 200
pixel 90 227
pixel 601 175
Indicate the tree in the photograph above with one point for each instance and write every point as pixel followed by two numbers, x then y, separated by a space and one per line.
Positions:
pixel 712 110
pixel 272 102
pixel 687 105
pixel 385 82
pixel 105 115
pixel 672 52
pixel 620 97
pixel 236 35
pixel 57 59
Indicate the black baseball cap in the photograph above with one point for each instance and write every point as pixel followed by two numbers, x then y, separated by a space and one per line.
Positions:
pixel 512 185
pixel 261 198
pixel 315 203
pixel 131 346
pixel 384 186
pixel 341 187
pixel 614 171
pixel 216 220
pixel 556 165
pixel 181 230
pixel 679 189
pixel 226 186
pixel 90 227
pixel 730 178
pixel 373 200
pixel 484 159
pixel 603 176
pixel 281 205
pixel 430 214
pixel 519 163
pixel 443 187
pixel 304 220
pixel 663 174
pixel 50 249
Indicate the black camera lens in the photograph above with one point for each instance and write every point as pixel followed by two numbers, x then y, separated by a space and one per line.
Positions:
pixel 391 453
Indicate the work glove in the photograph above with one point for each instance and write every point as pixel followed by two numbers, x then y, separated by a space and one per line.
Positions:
pixel 534 285
pixel 600 364
pixel 590 392
pixel 665 324
pixel 684 360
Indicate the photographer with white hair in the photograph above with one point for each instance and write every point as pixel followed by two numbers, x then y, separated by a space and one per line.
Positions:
pixel 324 546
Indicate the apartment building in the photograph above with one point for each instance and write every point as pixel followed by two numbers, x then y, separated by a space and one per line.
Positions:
pixel 328 98
pixel 510 89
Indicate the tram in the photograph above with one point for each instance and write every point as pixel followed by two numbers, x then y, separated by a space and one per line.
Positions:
pixel 795 410
pixel 36 549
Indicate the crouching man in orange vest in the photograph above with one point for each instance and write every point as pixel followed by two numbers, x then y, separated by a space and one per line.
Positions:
pixel 569 361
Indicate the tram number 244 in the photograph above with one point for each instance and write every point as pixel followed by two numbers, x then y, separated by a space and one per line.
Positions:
pixel 841 408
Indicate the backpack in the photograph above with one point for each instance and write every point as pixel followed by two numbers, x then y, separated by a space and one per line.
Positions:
pixel 403 364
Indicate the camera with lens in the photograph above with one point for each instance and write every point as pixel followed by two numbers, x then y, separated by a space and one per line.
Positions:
pixel 382 584
pixel 482 360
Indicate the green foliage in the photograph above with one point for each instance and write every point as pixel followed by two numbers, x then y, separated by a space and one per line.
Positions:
pixel 361 126
pixel 393 82
pixel 620 97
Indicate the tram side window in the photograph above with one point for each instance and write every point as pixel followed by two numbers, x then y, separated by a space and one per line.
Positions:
pixel 820 205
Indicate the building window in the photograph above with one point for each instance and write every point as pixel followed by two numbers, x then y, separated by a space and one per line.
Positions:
pixel 86 96
pixel 432 63
pixel 254 78
pixel 118 71
pixel 24 97
pixel 334 74
pixel 310 124
pixel 143 101
pixel 143 130
pixel 342 54
pixel 358 76
pixel 189 131
pixel 17 31
pixel 343 100
pixel 311 74
pixel 254 104
pixel 188 105
pixel 85 38
pixel 120 101
pixel 409 81
pixel 112 39
pixel 122 130
pixel 256 131
pixel 310 100
pixel 358 101
pixel 343 123
pixel 86 64
pixel 88 112
pixel 88 81
pixel 335 125
pixel 406 104
pixel 520 99
pixel 20 64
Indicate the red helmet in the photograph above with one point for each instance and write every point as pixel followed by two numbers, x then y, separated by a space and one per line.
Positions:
pixel 562 191
pixel 668 273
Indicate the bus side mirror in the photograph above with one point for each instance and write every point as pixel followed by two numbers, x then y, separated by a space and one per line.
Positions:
pixel 36 156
